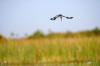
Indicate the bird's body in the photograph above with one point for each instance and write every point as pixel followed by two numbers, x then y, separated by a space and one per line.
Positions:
pixel 60 16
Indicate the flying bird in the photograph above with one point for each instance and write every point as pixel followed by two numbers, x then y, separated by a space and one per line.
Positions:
pixel 61 16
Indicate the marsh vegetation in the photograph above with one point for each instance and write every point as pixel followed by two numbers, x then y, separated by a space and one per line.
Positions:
pixel 55 49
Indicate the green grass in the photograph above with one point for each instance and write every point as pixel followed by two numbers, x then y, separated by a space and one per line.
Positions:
pixel 79 51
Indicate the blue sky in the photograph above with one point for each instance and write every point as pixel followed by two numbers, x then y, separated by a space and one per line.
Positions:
pixel 26 16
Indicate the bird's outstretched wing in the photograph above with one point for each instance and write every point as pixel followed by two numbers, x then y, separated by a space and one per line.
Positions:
pixel 69 17
pixel 54 18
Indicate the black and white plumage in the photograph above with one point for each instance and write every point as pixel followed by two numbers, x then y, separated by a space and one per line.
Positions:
pixel 61 16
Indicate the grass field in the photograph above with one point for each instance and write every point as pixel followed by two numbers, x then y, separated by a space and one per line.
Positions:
pixel 79 51
pixel 71 51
